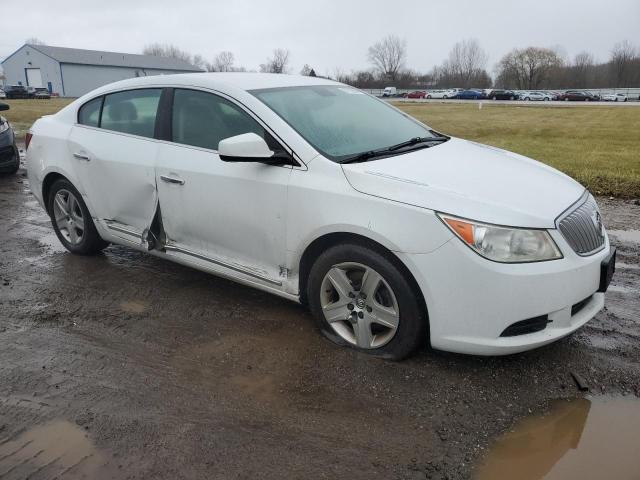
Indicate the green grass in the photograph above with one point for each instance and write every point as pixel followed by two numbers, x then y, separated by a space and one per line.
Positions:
pixel 23 113
pixel 598 146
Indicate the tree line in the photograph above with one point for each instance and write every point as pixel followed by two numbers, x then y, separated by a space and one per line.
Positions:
pixel 466 66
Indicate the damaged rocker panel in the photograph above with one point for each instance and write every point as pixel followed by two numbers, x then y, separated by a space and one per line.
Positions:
pixel 237 268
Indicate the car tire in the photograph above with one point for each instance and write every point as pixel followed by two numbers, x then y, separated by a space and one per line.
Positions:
pixel 429 97
pixel 72 221
pixel 512 98
pixel 13 170
pixel 586 99
pixel 527 99
pixel 356 323
pixel 566 99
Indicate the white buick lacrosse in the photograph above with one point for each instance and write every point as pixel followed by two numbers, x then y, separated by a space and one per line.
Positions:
pixel 392 233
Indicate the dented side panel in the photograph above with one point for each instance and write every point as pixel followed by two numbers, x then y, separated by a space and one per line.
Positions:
pixel 118 175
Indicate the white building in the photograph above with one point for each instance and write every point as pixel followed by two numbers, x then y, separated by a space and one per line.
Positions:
pixel 71 72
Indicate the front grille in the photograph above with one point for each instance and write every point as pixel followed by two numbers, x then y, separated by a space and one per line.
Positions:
pixel 582 227
pixel 530 325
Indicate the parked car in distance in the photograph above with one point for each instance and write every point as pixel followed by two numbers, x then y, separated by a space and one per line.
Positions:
pixel 577 96
pixel 311 190
pixel 502 95
pixel 16 91
pixel 42 94
pixel 389 92
pixel 9 155
pixel 470 95
pixel 534 96
pixel 416 94
pixel 614 97
pixel 439 94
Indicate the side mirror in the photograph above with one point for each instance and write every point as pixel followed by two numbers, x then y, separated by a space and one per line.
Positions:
pixel 250 147
pixel 3 107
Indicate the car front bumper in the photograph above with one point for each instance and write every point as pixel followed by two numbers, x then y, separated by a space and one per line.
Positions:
pixel 471 300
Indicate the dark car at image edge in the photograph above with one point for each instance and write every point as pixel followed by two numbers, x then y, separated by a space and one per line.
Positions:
pixel 16 91
pixel 9 155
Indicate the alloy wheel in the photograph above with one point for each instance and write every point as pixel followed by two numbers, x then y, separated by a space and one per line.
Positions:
pixel 68 216
pixel 360 305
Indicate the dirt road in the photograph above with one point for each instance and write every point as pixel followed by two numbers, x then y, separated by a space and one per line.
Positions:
pixel 126 366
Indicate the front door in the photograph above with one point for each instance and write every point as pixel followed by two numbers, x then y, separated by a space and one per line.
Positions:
pixel 223 215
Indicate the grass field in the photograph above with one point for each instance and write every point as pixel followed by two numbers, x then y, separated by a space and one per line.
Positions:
pixel 598 146
pixel 24 112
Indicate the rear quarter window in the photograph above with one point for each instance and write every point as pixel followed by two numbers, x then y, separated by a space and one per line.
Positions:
pixel 89 113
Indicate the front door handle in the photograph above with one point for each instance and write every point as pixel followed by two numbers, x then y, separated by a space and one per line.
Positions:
pixel 174 180
pixel 81 156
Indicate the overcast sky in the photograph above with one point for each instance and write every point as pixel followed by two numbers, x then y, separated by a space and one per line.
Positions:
pixel 327 34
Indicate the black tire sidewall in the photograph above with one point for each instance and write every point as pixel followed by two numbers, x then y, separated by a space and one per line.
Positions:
pixel 412 330
pixel 91 242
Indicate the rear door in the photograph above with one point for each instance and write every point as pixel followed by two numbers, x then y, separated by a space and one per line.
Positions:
pixel 114 153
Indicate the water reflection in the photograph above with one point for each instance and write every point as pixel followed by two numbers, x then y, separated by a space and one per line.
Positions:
pixel 584 439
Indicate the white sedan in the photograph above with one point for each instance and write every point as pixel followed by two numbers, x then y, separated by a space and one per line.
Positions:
pixel 538 96
pixel 441 94
pixel 614 97
pixel 393 234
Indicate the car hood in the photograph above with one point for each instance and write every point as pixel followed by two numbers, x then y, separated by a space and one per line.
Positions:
pixel 470 180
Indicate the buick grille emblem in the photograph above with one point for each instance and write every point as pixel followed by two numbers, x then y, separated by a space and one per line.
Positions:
pixel 596 218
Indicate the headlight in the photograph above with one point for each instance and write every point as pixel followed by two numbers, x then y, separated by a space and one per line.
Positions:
pixel 504 244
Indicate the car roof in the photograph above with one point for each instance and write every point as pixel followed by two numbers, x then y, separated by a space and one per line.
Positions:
pixel 221 81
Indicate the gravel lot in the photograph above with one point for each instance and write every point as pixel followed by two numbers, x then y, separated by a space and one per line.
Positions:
pixel 126 366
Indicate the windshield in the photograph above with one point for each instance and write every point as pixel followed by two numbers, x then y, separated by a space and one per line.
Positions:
pixel 340 121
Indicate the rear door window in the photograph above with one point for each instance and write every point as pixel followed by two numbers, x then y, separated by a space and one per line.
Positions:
pixel 132 111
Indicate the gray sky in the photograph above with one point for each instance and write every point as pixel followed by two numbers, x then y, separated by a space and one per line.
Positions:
pixel 326 34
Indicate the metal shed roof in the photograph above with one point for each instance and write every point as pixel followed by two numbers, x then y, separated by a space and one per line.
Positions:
pixel 113 59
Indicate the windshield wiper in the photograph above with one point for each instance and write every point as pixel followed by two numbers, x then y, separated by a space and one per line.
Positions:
pixel 364 156
pixel 416 140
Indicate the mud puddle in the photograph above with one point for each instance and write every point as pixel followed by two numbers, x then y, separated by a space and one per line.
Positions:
pixel 56 450
pixel 583 439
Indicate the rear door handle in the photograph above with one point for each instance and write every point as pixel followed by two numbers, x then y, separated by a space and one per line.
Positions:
pixel 82 156
pixel 174 180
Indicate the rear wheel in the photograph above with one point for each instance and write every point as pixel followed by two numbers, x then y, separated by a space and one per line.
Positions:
pixel 360 299
pixel 71 220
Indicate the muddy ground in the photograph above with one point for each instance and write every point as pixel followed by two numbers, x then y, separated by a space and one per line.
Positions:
pixel 126 366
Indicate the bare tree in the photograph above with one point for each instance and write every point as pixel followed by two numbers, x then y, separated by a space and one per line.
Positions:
pixel 582 71
pixel 167 50
pixel 623 56
pixel 466 63
pixel 199 62
pixel 527 69
pixel 278 63
pixel 306 70
pixel 223 62
pixel 388 56
pixel 34 41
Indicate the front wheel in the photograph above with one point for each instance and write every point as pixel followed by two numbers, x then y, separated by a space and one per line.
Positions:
pixel 360 299
pixel 71 220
